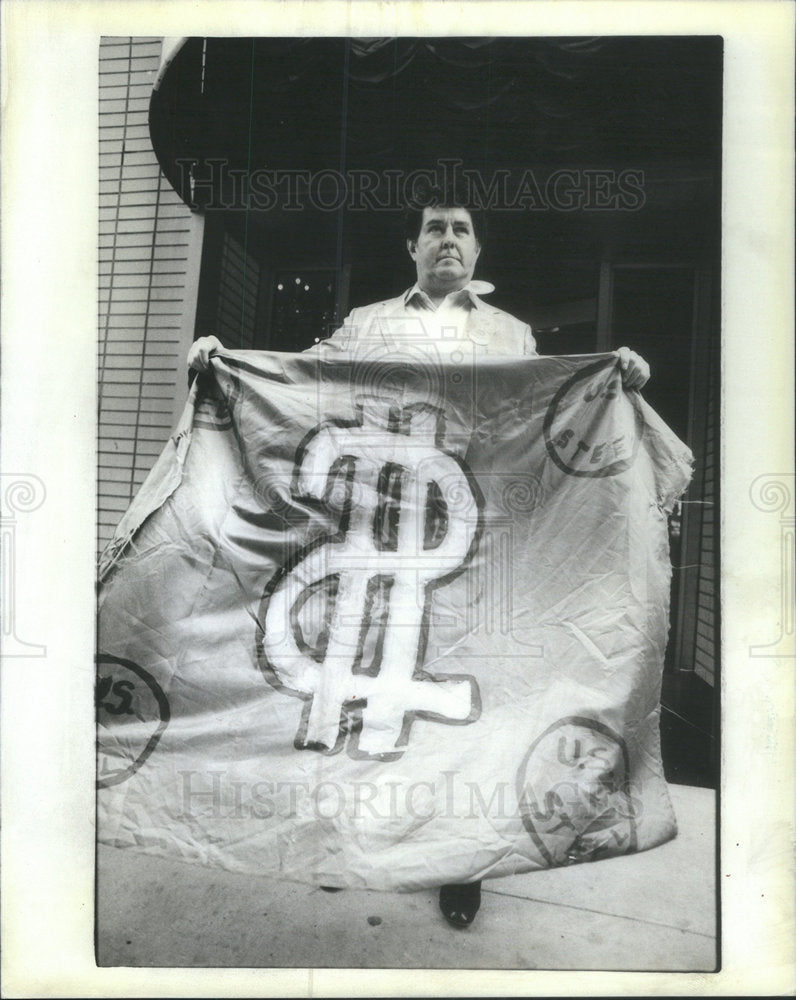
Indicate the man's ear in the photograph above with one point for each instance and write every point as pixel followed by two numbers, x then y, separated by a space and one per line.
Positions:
pixel 411 246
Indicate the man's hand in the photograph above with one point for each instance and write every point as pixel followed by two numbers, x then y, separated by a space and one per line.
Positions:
pixel 201 351
pixel 635 370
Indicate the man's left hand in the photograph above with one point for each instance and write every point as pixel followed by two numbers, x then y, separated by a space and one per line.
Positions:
pixel 635 370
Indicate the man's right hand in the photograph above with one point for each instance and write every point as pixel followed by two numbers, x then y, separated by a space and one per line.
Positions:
pixel 201 352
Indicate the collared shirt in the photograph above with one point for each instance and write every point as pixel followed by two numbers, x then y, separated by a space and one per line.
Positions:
pixel 466 297
pixel 411 320
pixel 448 319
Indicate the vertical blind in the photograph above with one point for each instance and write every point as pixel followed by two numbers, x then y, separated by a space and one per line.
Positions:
pixel 238 290
pixel 706 646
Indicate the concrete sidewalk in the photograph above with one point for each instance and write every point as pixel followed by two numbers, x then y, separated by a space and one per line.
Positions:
pixel 650 911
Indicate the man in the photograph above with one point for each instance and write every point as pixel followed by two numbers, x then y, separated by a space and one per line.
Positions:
pixel 445 247
pixel 444 307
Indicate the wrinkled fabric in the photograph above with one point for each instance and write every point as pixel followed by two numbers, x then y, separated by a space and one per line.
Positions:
pixel 392 624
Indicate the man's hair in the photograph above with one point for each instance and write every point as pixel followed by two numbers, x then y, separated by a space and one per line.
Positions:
pixel 426 195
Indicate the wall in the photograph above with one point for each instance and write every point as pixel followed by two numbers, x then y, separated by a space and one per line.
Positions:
pixel 149 251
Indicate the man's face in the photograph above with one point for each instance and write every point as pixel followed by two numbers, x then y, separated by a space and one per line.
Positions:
pixel 446 250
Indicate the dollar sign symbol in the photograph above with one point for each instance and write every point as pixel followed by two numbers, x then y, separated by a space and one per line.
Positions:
pixel 344 624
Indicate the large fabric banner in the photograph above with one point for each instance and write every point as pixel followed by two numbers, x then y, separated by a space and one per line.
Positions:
pixel 392 624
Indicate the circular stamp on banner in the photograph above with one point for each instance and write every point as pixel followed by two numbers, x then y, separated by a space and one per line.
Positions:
pixel 132 715
pixel 574 794
pixel 592 428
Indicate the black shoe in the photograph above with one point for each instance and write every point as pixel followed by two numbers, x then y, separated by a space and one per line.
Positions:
pixel 460 903
pixel 331 888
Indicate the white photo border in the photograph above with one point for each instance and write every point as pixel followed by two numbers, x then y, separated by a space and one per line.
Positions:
pixel 49 240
